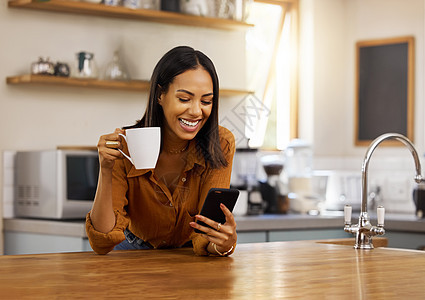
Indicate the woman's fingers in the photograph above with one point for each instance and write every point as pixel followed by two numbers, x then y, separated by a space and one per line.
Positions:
pixel 214 229
pixel 230 220
pixel 223 235
pixel 206 229
pixel 111 140
pixel 108 146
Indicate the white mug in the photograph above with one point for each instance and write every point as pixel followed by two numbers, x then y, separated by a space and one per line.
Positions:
pixel 143 146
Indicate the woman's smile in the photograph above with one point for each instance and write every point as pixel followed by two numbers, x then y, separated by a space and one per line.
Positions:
pixel 187 104
pixel 189 125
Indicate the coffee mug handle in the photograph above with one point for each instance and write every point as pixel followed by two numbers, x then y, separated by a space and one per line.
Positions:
pixel 122 152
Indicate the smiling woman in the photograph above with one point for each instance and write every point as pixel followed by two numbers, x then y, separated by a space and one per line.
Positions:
pixel 157 208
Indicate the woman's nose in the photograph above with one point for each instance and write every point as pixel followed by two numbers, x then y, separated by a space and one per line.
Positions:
pixel 195 108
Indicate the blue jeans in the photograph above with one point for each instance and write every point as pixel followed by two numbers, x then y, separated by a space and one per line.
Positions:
pixel 132 242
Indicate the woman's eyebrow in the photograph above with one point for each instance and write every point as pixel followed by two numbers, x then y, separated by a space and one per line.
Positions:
pixel 192 94
pixel 186 91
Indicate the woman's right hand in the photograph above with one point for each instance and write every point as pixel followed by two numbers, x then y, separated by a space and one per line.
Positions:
pixel 109 153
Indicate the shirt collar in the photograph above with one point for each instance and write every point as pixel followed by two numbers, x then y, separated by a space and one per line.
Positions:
pixel 134 172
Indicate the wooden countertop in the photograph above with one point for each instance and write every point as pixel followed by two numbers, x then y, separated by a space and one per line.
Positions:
pixel 299 270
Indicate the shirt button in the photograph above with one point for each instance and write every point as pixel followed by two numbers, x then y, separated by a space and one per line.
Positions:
pixel 171 204
pixel 184 179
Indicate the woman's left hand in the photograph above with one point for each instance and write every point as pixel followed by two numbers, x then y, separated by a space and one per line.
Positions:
pixel 223 235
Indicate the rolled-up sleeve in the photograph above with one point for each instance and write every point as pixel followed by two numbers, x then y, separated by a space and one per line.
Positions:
pixel 102 243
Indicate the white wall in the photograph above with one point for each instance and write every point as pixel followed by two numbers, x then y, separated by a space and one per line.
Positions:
pixel 43 117
pixel 329 31
pixel 327 83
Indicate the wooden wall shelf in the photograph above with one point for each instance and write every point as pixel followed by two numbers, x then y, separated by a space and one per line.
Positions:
pixel 93 9
pixel 132 85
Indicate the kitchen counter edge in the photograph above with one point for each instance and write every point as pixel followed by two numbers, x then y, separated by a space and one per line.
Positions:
pixel 76 228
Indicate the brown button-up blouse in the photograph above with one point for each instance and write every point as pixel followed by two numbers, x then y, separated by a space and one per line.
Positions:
pixel 145 205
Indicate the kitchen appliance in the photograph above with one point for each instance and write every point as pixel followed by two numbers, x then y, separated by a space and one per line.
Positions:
pixel 343 187
pixel 299 168
pixel 419 199
pixel 274 189
pixel 244 178
pixel 55 184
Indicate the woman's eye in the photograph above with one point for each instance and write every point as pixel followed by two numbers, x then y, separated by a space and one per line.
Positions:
pixel 183 100
pixel 207 102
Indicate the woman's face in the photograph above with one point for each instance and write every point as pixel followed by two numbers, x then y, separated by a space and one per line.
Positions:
pixel 187 103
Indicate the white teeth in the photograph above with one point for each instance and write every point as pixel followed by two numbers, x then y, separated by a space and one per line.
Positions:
pixel 188 123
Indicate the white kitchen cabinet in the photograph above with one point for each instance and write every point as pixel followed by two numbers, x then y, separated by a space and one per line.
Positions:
pixel 30 236
pixel 406 240
pixel 25 236
pixel 291 235
pixel 311 234
pixel 396 239
pixel 33 243
pixel 252 237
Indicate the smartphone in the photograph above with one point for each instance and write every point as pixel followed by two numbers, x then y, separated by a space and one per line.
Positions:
pixel 211 208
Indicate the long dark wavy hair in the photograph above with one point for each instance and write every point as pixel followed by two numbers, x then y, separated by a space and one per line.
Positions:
pixel 173 63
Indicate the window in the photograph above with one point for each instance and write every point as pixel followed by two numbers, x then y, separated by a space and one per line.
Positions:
pixel 271 69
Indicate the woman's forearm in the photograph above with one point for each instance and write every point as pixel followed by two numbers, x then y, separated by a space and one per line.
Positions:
pixel 102 213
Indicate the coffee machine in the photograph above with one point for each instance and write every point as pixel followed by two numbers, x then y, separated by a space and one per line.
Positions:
pixel 244 178
pixel 274 189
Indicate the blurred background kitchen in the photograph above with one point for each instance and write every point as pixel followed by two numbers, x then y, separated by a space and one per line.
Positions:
pixel 287 73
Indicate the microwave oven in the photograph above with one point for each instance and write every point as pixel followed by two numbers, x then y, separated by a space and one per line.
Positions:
pixel 55 184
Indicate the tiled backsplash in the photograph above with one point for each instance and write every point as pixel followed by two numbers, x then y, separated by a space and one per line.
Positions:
pixel 393 177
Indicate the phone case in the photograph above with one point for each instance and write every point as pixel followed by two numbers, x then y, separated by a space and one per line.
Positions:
pixel 211 208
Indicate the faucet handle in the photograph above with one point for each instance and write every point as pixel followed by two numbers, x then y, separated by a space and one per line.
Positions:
pixel 347 214
pixel 380 213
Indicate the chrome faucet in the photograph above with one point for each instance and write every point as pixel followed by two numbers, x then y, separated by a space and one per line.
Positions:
pixel 364 230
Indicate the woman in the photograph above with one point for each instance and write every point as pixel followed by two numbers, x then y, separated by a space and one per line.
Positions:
pixel 157 208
